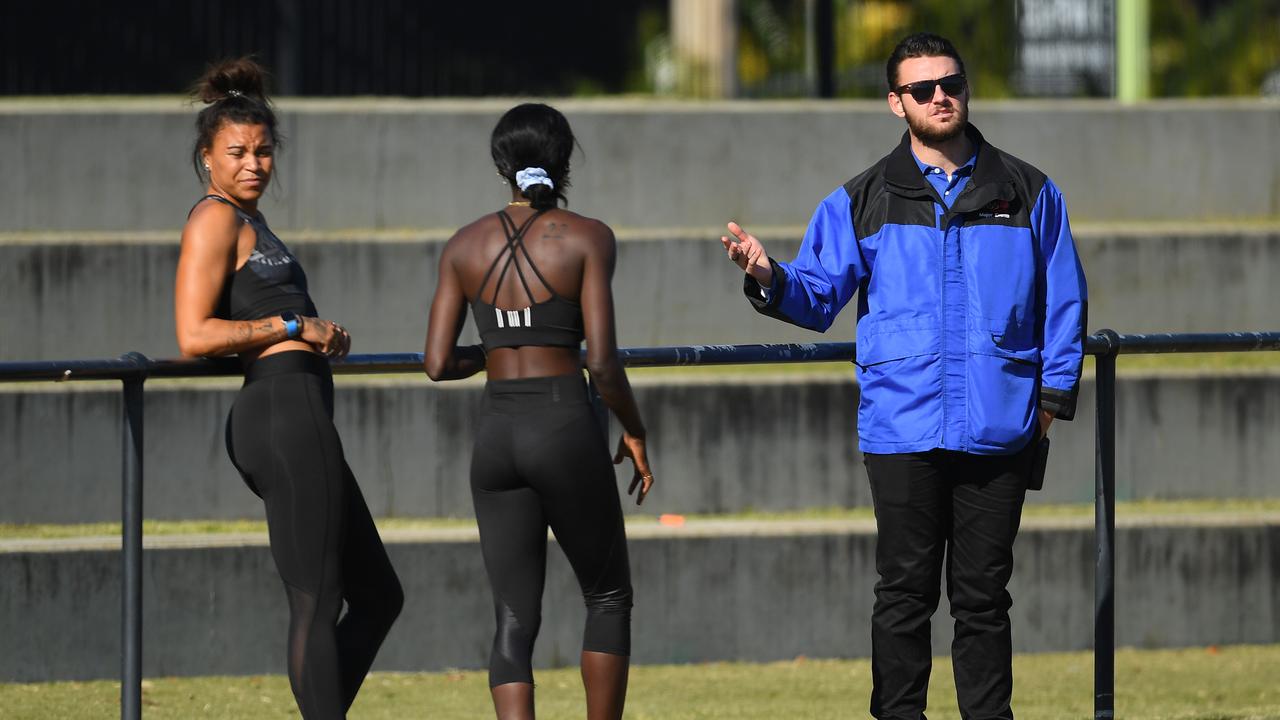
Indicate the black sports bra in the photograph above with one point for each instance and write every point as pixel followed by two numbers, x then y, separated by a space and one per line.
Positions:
pixel 555 322
pixel 270 282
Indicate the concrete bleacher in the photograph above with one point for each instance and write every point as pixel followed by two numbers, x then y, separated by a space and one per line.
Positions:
pixel 124 165
pixel 715 590
pixel 1177 210
pixel 81 295
pixel 720 445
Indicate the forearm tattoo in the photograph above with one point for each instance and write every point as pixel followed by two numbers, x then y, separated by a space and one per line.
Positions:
pixel 249 333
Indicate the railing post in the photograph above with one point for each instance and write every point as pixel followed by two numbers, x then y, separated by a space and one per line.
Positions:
pixel 1104 578
pixel 131 585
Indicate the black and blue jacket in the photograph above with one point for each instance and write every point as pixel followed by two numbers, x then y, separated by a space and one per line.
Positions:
pixel 969 317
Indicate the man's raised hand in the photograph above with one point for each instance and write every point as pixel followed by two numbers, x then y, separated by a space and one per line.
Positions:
pixel 747 252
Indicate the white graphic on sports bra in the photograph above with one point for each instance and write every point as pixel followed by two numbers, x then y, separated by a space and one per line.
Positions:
pixel 515 235
pixel 270 259
pixel 279 256
pixel 513 317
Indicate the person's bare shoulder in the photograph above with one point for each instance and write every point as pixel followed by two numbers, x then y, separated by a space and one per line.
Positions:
pixel 592 233
pixel 213 215
pixel 468 234
pixel 212 224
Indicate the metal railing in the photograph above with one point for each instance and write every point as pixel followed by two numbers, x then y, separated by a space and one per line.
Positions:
pixel 133 369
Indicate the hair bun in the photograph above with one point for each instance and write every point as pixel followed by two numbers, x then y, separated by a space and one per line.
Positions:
pixel 233 92
pixel 228 78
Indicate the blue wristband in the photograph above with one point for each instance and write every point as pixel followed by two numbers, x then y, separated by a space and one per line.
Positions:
pixel 292 325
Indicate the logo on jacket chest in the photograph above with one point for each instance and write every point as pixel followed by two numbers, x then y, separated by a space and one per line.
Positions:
pixel 996 209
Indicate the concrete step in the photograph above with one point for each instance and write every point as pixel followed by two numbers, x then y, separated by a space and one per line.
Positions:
pixel 100 295
pixel 124 164
pixel 720 444
pixel 747 590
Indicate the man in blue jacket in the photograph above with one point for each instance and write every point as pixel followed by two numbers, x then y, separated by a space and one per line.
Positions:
pixel 970 329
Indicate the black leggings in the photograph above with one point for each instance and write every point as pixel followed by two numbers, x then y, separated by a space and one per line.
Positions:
pixel 281 438
pixel 541 460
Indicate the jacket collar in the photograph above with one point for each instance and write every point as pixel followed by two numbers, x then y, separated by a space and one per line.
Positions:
pixel 991 179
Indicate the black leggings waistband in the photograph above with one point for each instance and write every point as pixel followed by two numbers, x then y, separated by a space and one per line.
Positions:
pixel 519 394
pixel 287 363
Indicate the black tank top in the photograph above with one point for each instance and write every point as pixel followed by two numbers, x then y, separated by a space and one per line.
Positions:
pixel 555 322
pixel 270 282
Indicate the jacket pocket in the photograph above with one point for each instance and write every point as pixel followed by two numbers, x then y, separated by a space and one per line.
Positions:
pixel 875 347
pixel 1003 380
pixel 1007 345
pixel 899 382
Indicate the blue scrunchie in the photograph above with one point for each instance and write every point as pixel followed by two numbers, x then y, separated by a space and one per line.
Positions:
pixel 529 177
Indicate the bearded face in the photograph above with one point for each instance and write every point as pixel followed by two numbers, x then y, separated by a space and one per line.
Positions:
pixel 940 116
pixel 936 128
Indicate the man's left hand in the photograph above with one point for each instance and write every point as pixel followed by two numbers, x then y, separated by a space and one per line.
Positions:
pixel 1046 418
pixel 749 254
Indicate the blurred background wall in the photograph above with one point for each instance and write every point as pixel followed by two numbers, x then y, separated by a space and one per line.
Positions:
pixel 691 48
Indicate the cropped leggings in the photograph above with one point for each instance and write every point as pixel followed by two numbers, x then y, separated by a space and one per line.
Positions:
pixel 281 438
pixel 540 461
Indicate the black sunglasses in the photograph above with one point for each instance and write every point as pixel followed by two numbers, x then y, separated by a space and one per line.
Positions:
pixel 922 91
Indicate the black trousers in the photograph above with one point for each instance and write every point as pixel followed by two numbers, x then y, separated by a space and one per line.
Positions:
pixel 958 512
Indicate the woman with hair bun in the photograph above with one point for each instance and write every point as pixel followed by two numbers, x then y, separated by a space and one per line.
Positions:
pixel 240 291
pixel 537 278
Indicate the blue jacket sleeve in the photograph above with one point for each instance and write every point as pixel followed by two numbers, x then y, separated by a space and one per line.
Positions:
pixel 812 289
pixel 1065 298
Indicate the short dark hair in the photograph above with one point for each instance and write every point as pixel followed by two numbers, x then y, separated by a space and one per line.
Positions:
pixel 233 91
pixel 534 135
pixel 919 45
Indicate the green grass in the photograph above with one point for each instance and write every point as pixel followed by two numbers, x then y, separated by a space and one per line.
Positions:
pixel 49 531
pixel 1144 508
pixel 1234 682
pixel 1219 361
